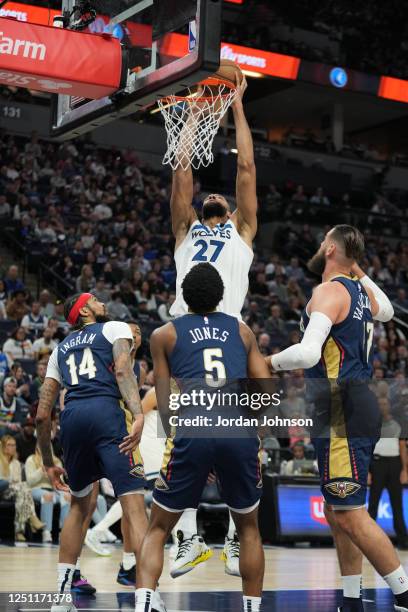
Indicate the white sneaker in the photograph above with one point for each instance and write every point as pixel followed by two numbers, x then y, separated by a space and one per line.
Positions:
pixel 93 542
pixel 63 607
pixel 107 536
pixel 173 551
pixel 46 536
pixel 190 553
pixel 400 608
pixel 230 556
pixel 158 603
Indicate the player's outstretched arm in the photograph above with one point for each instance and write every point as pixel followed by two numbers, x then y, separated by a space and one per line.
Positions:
pixel 325 307
pixel 128 387
pixel 381 307
pixel 247 203
pixel 160 340
pixel 183 214
pixel 48 396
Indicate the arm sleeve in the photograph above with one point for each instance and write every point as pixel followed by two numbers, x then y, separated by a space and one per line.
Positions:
pixel 385 311
pixel 53 370
pixel 114 330
pixel 307 353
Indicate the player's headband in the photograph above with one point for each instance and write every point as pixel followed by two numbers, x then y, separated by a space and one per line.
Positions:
pixel 80 303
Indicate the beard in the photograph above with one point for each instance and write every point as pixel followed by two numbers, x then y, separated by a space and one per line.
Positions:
pixel 102 318
pixel 317 264
pixel 214 209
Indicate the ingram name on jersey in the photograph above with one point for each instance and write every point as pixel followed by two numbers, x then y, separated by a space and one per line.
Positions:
pixel 223 247
pixel 83 361
pixel 347 352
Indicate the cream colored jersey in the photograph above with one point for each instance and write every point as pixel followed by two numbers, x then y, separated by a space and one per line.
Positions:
pixel 222 247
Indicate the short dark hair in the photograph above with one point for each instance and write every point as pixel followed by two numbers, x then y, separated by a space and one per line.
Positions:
pixel 351 239
pixel 203 288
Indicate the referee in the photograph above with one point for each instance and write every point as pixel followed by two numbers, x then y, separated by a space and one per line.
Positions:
pixel 389 470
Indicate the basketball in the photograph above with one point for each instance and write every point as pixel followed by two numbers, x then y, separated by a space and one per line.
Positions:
pixel 229 71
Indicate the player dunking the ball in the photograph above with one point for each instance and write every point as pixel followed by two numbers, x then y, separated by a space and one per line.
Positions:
pixel 205 349
pixel 336 352
pixel 101 426
pixel 223 239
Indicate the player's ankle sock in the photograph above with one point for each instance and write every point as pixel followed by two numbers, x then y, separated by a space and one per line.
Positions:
pixel 397 581
pixel 252 604
pixel 65 571
pixel 78 565
pixel 231 528
pixel 128 560
pixel 188 523
pixel 351 586
pixel 113 515
pixel 144 599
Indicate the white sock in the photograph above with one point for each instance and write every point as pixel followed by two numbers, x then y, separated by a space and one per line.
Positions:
pixel 397 581
pixel 252 604
pixel 65 572
pixel 351 586
pixel 113 515
pixel 231 528
pixel 188 523
pixel 144 599
pixel 78 564
pixel 128 560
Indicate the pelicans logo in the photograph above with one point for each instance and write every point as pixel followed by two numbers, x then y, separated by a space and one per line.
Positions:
pixel 342 489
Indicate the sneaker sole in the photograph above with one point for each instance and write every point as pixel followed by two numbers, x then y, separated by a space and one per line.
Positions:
pixel 400 609
pixel 223 557
pixel 130 585
pixel 192 564
pixel 97 552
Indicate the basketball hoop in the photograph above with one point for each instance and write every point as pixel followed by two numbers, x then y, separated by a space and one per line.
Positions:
pixel 193 120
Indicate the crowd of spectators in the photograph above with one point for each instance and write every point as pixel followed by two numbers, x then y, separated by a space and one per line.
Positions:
pixel 369 37
pixel 101 221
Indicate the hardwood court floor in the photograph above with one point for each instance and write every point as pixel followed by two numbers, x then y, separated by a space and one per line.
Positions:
pixel 287 570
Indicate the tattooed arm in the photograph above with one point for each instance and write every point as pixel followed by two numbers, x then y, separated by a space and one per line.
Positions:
pixel 127 383
pixel 48 397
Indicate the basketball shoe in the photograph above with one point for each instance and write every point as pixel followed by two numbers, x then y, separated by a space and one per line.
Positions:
pixel 230 556
pixel 351 605
pixel 92 540
pixel 190 553
pixel 127 577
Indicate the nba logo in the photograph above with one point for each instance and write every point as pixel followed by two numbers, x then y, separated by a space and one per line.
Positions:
pixel 192 35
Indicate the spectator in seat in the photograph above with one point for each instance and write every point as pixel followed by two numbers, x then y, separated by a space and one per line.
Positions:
pixel 34 322
pixel 254 316
pixel 86 281
pixel 164 309
pixel 293 270
pixel 13 409
pixel 18 346
pixel 26 440
pixel 319 198
pixel 299 197
pixel 43 347
pixel 101 292
pixel 294 291
pixel 17 305
pixel 275 323
pixel 145 294
pixel 402 299
pixel 37 382
pixel 3 292
pixel 117 310
pixel 43 492
pixel 264 343
pixel 47 307
pixel 5 208
pixel 259 286
pixel 11 281
pixel 4 366
pixel 23 380
pixel 63 326
pixel 299 464
pixel 18 491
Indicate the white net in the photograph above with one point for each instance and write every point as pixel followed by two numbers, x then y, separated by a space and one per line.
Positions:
pixel 192 123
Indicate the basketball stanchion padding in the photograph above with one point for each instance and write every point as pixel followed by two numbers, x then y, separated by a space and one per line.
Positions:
pixel 192 120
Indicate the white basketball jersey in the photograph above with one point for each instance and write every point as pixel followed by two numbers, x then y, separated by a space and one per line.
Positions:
pixel 151 446
pixel 222 247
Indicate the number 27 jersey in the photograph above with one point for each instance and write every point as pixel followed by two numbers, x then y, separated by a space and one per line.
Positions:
pixel 223 248
pixel 83 361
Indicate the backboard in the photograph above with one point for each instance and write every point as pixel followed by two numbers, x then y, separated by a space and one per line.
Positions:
pixel 169 45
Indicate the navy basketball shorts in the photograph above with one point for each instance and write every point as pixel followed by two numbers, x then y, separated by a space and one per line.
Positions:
pixel 187 463
pixel 344 455
pixel 91 431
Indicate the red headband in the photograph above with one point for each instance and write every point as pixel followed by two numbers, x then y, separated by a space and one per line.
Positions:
pixel 80 303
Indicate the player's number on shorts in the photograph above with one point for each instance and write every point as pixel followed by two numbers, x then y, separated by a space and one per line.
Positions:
pixel 214 367
pixel 87 366
pixel 203 247
pixel 369 337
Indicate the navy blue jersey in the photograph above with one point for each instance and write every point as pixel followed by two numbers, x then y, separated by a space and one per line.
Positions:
pixel 83 361
pixel 208 347
pixel 347 353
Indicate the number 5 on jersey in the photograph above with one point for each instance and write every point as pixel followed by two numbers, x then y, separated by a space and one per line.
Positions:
pixel 86 367
pixel 215 370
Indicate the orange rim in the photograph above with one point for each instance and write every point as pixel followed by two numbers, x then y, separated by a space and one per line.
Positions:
pixel 211 82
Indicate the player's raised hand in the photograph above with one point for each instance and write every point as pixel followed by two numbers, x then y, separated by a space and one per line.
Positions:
pixel 131 441
pixel 241 88
pixel 55 474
